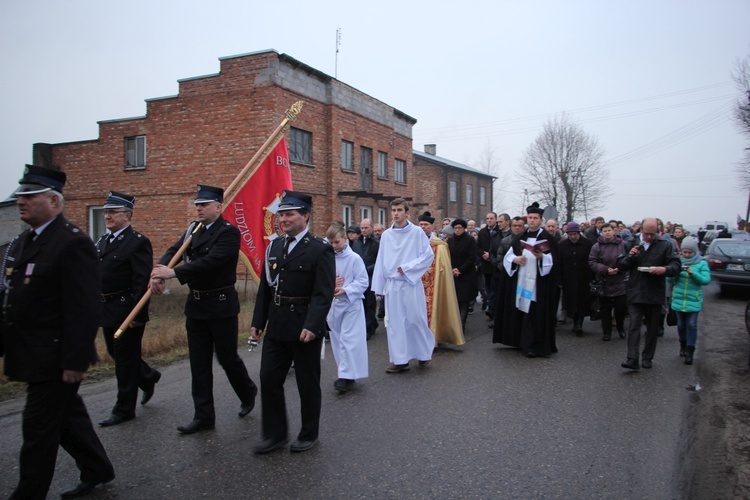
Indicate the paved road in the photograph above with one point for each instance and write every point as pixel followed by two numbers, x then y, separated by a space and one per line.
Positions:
pixel 480 421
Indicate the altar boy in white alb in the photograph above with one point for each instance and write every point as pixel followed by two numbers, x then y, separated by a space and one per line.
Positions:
pixel 404 256
pixel 346 318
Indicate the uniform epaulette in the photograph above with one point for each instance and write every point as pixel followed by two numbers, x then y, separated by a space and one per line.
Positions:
pixel 72 228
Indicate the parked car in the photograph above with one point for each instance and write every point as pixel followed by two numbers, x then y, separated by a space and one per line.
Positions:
pixel 712 235
pixel 729 261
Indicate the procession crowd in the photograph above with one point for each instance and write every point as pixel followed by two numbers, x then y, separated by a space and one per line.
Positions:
pixel 528 273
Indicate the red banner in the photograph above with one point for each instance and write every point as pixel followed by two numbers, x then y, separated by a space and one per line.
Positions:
pixel 253 208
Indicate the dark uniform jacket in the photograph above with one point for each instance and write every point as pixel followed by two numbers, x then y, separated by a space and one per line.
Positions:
pixel 644 287
pixel 463 250
pixel 125 265
pixel 51 313
pixel 368 251
pixel 309 271
pixel 488 241
pixel 210 270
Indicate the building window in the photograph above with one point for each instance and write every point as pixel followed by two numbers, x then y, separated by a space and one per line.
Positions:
pixel 365 213
pixel 300 146
pixel 135 152
pixel 347 155
pixel 469 193
pixel 381 217
pixel 452 191
pixel 482 195
pixel 346 214
pixel 382 165
pixel 96 223
pixel 401 171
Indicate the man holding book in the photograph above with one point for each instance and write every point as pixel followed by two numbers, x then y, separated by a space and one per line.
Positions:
pixel 529 306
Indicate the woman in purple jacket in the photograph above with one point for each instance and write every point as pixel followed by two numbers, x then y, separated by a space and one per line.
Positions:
pixel 603 260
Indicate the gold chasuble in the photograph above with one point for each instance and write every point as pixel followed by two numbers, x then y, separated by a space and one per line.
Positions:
pixel 440 292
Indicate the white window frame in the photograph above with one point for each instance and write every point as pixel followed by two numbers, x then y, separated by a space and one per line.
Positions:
pixel 382 217
pixel 365 213
pixel 347 156
pixel 469 193
pixel 135 152
pixel 482 195
pixel 346 214
pixel 96 222
pixel 400 168
pixel 382 165
pixel 452 191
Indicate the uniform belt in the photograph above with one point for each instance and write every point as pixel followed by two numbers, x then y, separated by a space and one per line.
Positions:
pixel 216 292
pixel 280 300
pixel 123 295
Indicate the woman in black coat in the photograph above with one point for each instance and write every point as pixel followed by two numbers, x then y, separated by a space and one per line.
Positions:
pixel 463 250
pixel 575 273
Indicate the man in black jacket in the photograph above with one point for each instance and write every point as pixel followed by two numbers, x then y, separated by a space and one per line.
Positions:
pixel 210 271
pixel 488 242
pixel 366 246
pixel 51 309
pixel 294 296
pixel 649 263
pixel 125 262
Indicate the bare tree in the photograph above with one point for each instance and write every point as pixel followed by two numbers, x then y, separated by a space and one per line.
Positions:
pixel 563 167
pixel 741 77
pixel 489 163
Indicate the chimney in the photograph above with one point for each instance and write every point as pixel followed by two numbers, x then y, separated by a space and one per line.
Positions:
pixel 430 149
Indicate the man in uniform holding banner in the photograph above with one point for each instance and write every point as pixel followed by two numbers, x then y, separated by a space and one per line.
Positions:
pixel 210 270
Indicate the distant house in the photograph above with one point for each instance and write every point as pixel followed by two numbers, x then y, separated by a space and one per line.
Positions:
pixel 455 189
pixel 350 151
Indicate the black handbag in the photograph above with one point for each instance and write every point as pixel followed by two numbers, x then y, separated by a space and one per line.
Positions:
pixel 596 286
pixel 671 317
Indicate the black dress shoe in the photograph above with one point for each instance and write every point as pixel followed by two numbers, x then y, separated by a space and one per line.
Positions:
pixel 268 445
pixel 84 488
pixel 196 426
pixel 148 394
pixel 115 419
pixel 246 408
pixel 630 364
pixel 299 445
pixel 343 384
pixel 646 363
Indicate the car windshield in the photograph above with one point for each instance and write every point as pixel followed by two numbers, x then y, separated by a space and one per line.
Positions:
pixel 731 249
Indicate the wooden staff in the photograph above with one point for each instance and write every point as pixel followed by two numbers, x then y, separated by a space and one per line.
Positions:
pixel 146 296
pixel 229 193
pixel 263 152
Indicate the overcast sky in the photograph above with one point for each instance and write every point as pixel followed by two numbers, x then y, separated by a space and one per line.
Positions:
pixel 651 79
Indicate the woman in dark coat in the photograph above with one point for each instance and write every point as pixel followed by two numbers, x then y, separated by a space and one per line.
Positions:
pixel 463 250
pixel 575 275
pixel 603 261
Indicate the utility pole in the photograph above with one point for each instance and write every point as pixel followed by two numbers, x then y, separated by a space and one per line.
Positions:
pixel 338 42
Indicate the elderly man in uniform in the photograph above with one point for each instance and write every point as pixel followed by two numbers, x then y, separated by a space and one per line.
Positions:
pixel 125 262
pixel 210 270
pixel 294 297
pixel 51 309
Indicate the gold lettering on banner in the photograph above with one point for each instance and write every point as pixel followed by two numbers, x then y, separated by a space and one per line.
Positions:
pixel 247 236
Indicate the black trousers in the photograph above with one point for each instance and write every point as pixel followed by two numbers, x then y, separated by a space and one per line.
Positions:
pixel 652 314
pixel 205 337
pixel 370 304
pixel 621 308
pixel 55 416
pixel 132 372
pixel 274 367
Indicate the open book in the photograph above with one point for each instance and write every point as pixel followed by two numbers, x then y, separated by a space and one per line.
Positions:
pixel 540 245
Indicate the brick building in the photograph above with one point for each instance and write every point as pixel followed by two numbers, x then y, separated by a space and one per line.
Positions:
pixel 350 151
pixel 454 189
